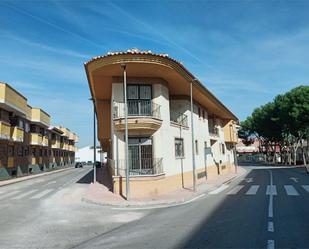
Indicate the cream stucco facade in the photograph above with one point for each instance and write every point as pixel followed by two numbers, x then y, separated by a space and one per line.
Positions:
pixel 159 126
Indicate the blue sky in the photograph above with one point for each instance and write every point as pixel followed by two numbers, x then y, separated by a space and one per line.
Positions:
pixel 245 52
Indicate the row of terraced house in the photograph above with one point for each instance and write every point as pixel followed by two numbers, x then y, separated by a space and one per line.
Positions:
pixel 28 142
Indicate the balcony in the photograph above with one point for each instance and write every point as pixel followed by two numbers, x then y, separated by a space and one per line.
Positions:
pixel 143 115
pixel 36 139
pixel 45 141
pixel 230 132
pixel 214 133
pixel 40 117
pixel 179 119
pixel 55 144
pixel 17 134
pixel 5 131
pixel 12 100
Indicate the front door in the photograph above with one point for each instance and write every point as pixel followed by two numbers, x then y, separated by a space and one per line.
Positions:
pixel 140 156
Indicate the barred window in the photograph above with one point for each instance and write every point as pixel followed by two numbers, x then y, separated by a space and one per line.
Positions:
pixel 179 148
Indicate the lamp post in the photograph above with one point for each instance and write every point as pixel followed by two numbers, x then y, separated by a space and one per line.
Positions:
pixel 192 137
pixel 123 66
pixel 94 143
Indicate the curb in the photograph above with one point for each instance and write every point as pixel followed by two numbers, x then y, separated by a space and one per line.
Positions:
pixel 21 179
pixel 183 201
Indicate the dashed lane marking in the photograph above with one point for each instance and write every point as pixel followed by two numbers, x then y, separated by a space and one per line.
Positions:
pixel 41 194
pixel 235 190
pixel 218 190
pixel 9 194
pixel 18 197
pixel 290 190
pixel 271 189
pixel 252 190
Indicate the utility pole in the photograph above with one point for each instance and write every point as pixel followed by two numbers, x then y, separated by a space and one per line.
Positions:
pixel 192 137
pixel 94 142
pixel 126 131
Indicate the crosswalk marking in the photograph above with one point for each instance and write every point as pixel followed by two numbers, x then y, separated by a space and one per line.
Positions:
pixel 290 190
pixel 9 194
pixel 271 190
pixel 41 194
pixel 306 187
pixel 235 190
pixel 252 190
pixel 218 190
pixel 24 194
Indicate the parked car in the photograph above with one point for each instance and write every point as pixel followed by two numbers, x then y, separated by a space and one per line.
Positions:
pixel 89 162
pixel 83 163
pixel 78 165
pixel 98 164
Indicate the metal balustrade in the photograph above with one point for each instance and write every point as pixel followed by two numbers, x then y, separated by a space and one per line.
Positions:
pixel 179 118
pixel 137 108
pixel 138 166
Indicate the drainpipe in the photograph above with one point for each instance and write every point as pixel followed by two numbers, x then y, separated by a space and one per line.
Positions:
pixel 126 131
pixel 192 136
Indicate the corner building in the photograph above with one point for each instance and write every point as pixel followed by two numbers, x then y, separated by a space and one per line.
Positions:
pixel 159 123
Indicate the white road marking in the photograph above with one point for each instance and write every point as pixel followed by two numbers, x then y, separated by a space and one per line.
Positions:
pixel 306 187
pixel 270 227
pixel 271 190
pixel 248 180
pixel 9 194
pixel 41 194
pixel 218 190
pixel 252 190
pixel 270 244
pixel 235 190
pixel 290 190
pixel 52 182
pixel 294 179
pixel 24 194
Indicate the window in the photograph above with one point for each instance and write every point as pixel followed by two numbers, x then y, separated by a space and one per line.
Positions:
pixel 20 151
pixel 222 149
pixel 10 150
pixel 40 152
pixel 33 151
pixel 196 147
pixel 203 114
pixel 179 148
pixel 199 112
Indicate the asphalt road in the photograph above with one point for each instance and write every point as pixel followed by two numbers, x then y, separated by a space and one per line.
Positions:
pixel 238 215
pixel 267 208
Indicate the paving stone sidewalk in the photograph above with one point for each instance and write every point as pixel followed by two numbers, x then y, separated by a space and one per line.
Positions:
pixel 100 194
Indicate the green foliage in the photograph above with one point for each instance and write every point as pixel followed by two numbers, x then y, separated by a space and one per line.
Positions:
pixel 283 119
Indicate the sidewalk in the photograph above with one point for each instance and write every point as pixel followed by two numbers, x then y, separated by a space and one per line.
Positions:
pixel 25 178
pixel 101 195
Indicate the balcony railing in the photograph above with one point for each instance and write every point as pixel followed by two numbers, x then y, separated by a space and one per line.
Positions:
pixel 213 131
pixel 17 134
pixel 138 166
pixel 5 131
pixel 179 118
pixel 36 139
pixel 138 108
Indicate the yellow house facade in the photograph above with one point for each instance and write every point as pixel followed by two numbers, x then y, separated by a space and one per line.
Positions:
pixel 28 142
pixel 161 150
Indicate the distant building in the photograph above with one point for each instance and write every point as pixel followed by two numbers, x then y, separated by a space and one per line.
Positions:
pixel 85 154
pixel 28 142
pixel 241 148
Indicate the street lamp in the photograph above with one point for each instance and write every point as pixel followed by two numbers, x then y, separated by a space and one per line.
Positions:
pixel 123 66
pixel 94 142
pixel 192 135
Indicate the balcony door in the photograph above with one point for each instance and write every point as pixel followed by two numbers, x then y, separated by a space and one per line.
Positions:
pixel 139 100
pixel 140 156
